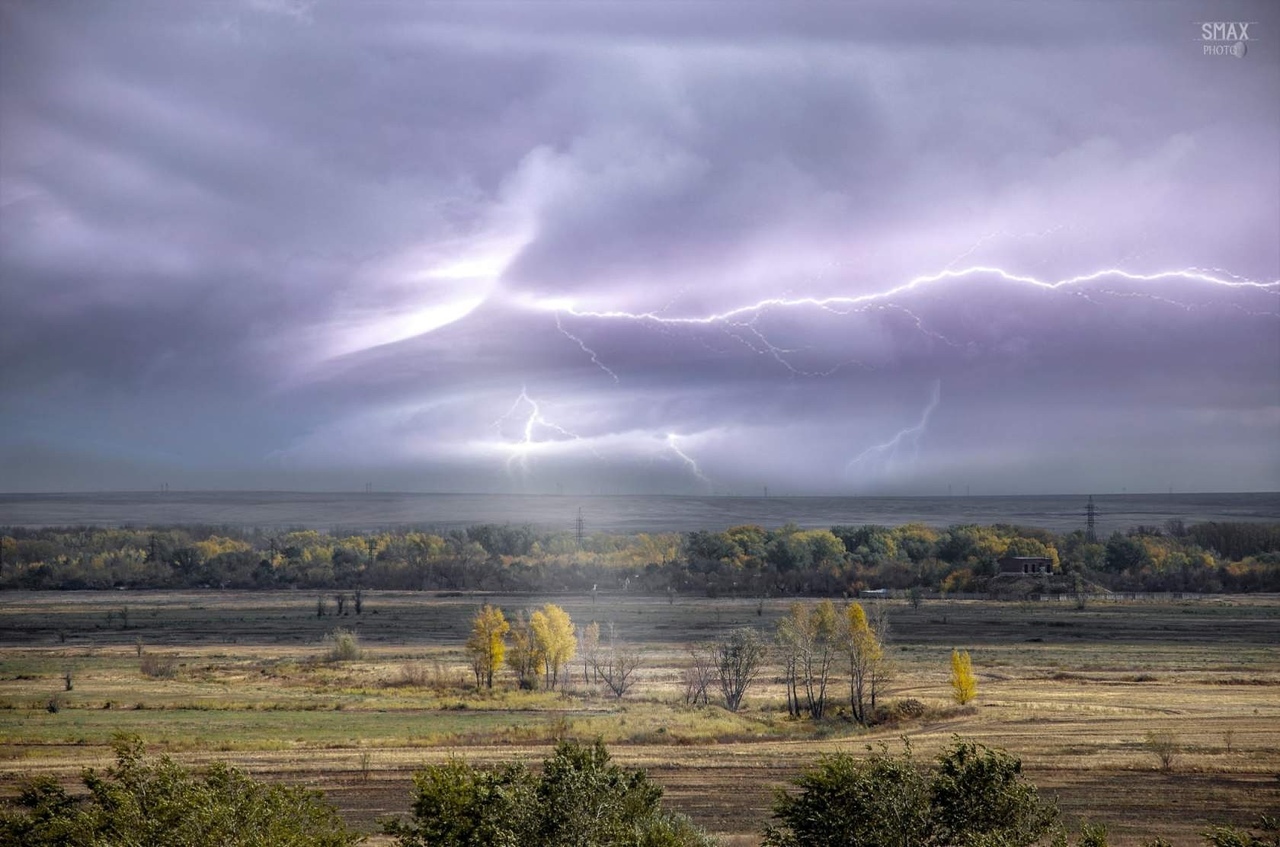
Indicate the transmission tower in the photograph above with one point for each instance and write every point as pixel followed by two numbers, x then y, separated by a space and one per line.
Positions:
pixel 578 528
pixel 1090 532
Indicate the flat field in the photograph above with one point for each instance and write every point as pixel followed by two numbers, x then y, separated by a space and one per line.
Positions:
pixel 242 677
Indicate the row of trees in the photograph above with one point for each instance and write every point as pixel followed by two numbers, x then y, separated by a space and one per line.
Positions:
pixel 1218 556
pixel 814 645
pixel 969 795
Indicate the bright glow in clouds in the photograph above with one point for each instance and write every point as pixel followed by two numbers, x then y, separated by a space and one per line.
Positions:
pixel 397 325
pixel 458 285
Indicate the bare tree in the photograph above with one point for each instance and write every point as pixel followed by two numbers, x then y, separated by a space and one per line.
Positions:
pixel 789 640
pixel 589 648
pixel 739 657
pixel 697 677
pixel 616 665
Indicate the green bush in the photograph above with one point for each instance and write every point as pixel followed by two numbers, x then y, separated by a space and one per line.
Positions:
pixel 1225 836
pixel 580 798
pixel 974 795
pixel 163 804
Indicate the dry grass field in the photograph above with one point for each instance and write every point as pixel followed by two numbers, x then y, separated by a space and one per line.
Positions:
pixel 242 677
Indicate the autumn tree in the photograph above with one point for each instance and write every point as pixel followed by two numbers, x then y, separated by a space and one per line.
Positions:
pixel 788 641
pixel 524 656
pixel 964 682
pixel 867 664
pixel 554 637
pixel 882 668
pixel 807 637
pixel 487 644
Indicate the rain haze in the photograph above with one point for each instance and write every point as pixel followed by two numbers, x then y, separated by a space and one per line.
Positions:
pixel 639 248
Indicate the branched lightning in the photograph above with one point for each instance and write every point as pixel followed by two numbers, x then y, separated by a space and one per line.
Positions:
pixel 519 450
pixel 741 320
pixel 920 282
pixel 889 451
pixel 673 442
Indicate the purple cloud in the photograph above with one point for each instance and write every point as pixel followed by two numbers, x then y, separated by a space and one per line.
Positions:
pixel 302 245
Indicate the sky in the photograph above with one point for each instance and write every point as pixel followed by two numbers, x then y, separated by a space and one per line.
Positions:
pixel 676 248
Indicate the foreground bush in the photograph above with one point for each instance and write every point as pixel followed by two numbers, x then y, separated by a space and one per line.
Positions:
pixel 163 804
pixel 973 796
pixel 579 800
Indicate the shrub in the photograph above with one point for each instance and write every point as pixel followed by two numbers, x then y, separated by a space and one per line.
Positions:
pixel 159 665
pixel 579 798
pixel 414 675
pixel 1225 836
pixel 909 708
pixel 974 795
pixel 1163 744
pixel 344 646
pixel 163 804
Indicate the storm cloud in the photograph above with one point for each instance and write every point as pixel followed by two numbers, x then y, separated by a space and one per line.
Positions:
pixel 682 248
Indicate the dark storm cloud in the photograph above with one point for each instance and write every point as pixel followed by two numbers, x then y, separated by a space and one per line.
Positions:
pixel 295 244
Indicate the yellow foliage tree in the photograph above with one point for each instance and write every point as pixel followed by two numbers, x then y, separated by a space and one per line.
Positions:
pixel 216 545
pixel 554 638
pixel 964 682
pixel 866 661
pixel 488 643
pixel 524 657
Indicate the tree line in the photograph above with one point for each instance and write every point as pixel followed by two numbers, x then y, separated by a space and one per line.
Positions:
pixel 744 560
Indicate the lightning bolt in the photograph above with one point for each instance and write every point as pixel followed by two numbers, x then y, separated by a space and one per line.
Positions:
pixel 673 441
pixel 743 318
pixel 829 303
pixel 888 451
pixel 520 450
pixel 585 349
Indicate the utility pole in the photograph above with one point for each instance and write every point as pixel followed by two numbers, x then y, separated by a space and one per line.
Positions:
pixel 1090 532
